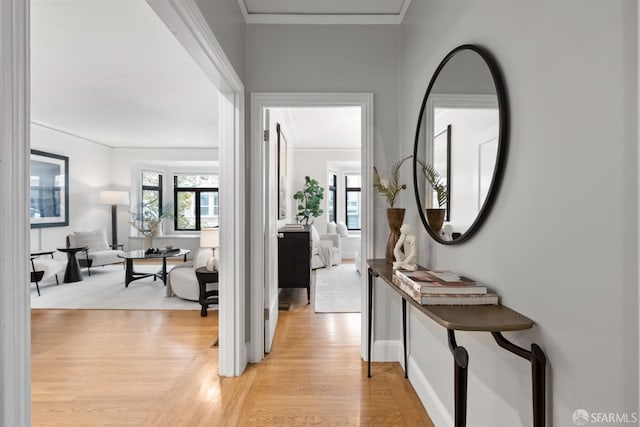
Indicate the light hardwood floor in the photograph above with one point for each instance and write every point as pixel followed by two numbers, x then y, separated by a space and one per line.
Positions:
pixel 157 368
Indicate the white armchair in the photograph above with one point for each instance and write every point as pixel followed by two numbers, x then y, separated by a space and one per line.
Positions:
pixel 182 281
pixel 325 250
pixel 98 253
pixel 43 267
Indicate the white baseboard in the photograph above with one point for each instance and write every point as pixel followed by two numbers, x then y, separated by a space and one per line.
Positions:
pixel 430 400
pixel 387 351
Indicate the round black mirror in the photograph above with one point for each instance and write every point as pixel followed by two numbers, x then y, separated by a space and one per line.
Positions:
pixel 460 144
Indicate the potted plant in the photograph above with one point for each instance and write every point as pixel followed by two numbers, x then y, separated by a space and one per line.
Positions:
pixel 389 188
pixel 309 200
pixel 435 216
pixel 148 222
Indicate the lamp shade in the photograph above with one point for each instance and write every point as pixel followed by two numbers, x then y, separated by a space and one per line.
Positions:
pixel 209 237
pixel 114 197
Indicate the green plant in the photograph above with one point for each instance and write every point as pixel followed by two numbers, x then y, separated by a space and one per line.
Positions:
pixel 147 219
pixel 434 179
pixel 392 186
pixel 309 199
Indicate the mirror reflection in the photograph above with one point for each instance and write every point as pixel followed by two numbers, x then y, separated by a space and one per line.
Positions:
pixel 458 144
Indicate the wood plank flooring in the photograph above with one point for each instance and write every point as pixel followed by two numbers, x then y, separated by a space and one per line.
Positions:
pixel 157 368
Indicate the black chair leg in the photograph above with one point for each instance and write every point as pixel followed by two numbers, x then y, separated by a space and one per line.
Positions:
pixel 38 288
pixel 57 281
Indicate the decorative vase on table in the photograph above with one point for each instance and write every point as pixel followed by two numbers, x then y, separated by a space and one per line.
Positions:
pixel 148 242
pixel 395 217
pixel 435 218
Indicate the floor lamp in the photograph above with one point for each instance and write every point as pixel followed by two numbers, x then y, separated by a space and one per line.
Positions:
pixel 114 198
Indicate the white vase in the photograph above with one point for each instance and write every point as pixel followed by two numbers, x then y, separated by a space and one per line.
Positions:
pixel 148 242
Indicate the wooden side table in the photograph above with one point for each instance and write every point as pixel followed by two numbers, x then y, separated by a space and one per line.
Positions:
pixel 206 297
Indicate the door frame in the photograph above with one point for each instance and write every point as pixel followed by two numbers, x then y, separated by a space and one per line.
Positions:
pixel 259 256
pixel 192 30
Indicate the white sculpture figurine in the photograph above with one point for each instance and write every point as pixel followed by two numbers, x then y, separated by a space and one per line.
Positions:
pixel 405 260
pixel 447 232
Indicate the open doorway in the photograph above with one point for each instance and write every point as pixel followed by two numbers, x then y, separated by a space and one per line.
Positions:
pixel 324 144
pixel 328 138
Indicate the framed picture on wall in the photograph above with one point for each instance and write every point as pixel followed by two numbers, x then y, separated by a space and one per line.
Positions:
pixel 282 173
pixel 49 190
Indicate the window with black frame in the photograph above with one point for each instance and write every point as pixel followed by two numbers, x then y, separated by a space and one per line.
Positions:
pixel 353 183
pixel 151 197
pixel 332 199
pixel 196 201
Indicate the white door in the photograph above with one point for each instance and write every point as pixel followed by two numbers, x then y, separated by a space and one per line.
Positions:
pixel 271 232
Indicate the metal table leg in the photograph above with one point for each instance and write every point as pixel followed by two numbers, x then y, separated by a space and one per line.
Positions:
pixel 404 336
pixel 461 365
pixel 538 375
pixel 370 275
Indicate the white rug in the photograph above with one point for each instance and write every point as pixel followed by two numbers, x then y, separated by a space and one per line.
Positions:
pixel 105 290
pixel 338 289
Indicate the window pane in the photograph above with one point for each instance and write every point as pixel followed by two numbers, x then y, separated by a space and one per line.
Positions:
pixel 150 178
pixel 331 201
pixel 353 210
pixel 197 181
pixel 150 207
pixel 186 201
pixel 208 209
pixel 354 181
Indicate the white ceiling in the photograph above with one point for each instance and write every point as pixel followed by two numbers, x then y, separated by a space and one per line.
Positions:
pixel 110 71
pixel 323 127
pixel 324 11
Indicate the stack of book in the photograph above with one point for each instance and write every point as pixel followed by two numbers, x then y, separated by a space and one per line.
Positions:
pixel 292 227
pixel 443 288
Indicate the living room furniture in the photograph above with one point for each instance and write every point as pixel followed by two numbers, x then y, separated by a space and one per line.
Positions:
pixel 206 297
pixel 72 272
pixel 294 260
pixel 130 275
pixel 488 318
pixel 114 198
pixel 326 249
pixel 183 281
pixel 43 266
pixel 98 252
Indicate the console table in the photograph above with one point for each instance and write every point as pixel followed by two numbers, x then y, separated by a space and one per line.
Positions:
pixel 488 318
pixel 294 260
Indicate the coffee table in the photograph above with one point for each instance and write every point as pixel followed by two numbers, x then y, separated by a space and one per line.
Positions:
pixel 131 275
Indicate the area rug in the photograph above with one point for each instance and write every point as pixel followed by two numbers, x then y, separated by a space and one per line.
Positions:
pixel 338 289
pixel 105 290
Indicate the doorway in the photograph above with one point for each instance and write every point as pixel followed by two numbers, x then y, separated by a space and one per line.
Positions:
pixel 263 279
pixel 190 28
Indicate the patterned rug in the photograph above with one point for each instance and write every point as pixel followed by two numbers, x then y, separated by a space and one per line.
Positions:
pixel 105 290
pixel 338 289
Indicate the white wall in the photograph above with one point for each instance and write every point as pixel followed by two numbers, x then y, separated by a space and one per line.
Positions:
pixel 89 172
pixel 560 245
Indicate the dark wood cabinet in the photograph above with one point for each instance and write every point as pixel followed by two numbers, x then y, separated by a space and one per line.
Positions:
pixel 294 260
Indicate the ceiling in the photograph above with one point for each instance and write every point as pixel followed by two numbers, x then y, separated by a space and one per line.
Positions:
pixel 324 11
pixel 323 127
pixel 111 72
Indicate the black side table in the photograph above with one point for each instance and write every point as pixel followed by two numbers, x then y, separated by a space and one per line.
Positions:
pixel 206 297
pixel 72 273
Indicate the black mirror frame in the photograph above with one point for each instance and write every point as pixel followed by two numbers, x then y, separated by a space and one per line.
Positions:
pixel 503 138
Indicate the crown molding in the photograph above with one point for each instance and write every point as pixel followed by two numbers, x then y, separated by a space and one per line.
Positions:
pixel 323 19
